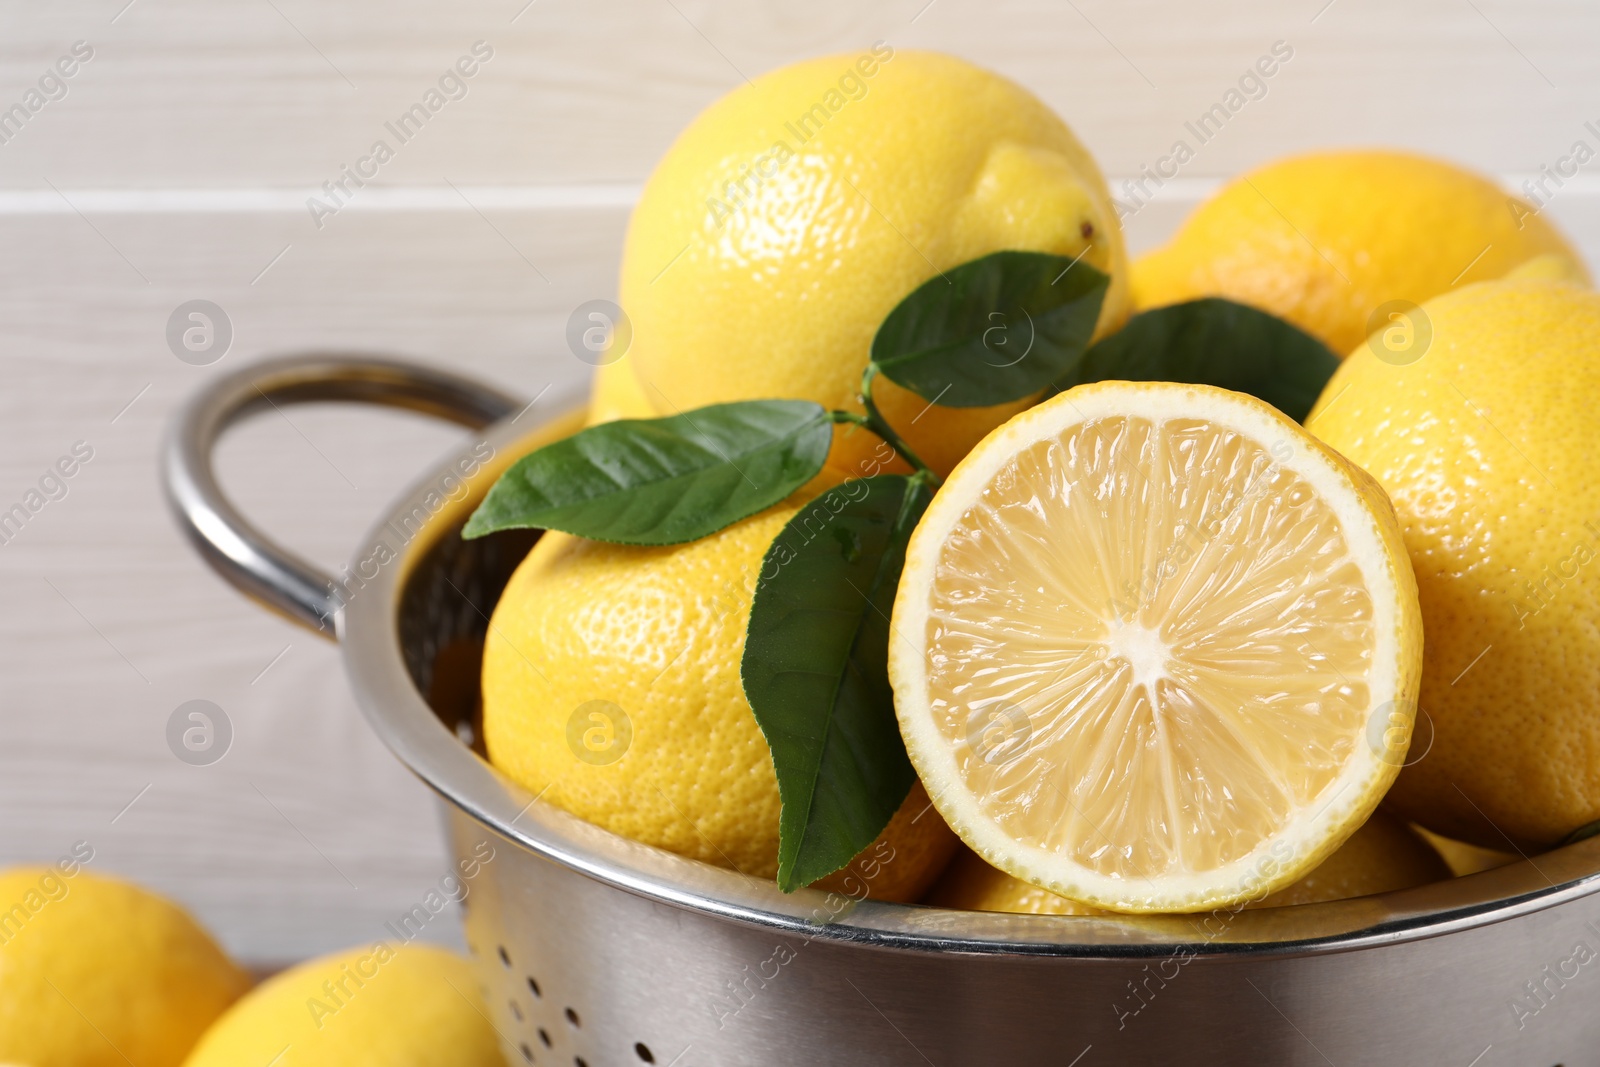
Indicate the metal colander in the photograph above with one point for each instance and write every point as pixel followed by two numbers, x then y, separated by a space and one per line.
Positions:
pixel 596 951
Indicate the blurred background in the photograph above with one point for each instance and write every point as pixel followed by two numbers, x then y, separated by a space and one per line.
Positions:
pixel 184 158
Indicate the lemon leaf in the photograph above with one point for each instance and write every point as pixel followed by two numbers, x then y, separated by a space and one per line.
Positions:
pixel 662 481
pixel 815 671
pixel 993 330
pixel 1218 342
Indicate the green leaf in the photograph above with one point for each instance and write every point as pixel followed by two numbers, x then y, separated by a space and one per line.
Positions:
pixel 993 330
pixel 1214 342
pixel 815 671
pixel 662 481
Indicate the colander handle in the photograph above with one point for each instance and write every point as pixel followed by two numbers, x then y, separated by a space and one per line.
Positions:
pixel 230 543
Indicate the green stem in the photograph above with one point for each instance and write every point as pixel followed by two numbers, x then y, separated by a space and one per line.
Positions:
pixel 879 425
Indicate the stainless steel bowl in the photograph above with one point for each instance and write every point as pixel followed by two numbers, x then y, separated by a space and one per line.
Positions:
pixel 595 950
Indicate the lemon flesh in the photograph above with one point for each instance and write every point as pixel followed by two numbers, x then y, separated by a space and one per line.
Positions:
pixel 1156 648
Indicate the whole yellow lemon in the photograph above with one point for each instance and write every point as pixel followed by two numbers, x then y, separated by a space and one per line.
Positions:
pixel 1465 859
pixel 1482 431
pixel 1382 856
pixel 378 1006
pixel 611 688
pixel 793 214
pixel 95 972
pixel 1328 239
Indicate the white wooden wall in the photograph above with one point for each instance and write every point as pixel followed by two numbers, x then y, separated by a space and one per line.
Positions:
pixel 177 167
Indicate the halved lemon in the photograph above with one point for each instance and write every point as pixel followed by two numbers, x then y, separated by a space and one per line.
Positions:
pixel 1156 648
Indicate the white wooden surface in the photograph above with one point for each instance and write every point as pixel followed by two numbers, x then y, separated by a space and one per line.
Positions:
pixel 177 166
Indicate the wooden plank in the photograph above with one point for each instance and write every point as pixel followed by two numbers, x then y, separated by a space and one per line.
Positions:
pixel 180 94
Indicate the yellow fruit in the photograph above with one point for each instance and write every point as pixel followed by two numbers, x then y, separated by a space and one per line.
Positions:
pixel 970 884
pixel 95 972
pixel 1550 267
pixel 793 214
pixel 617 394
pixel 913 850
pixel 379 1006
pixel 611 688
pixel 1156 647
pixel 1325 239
pixel 1464 859
pixel 1382 856
pixel 1486 443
